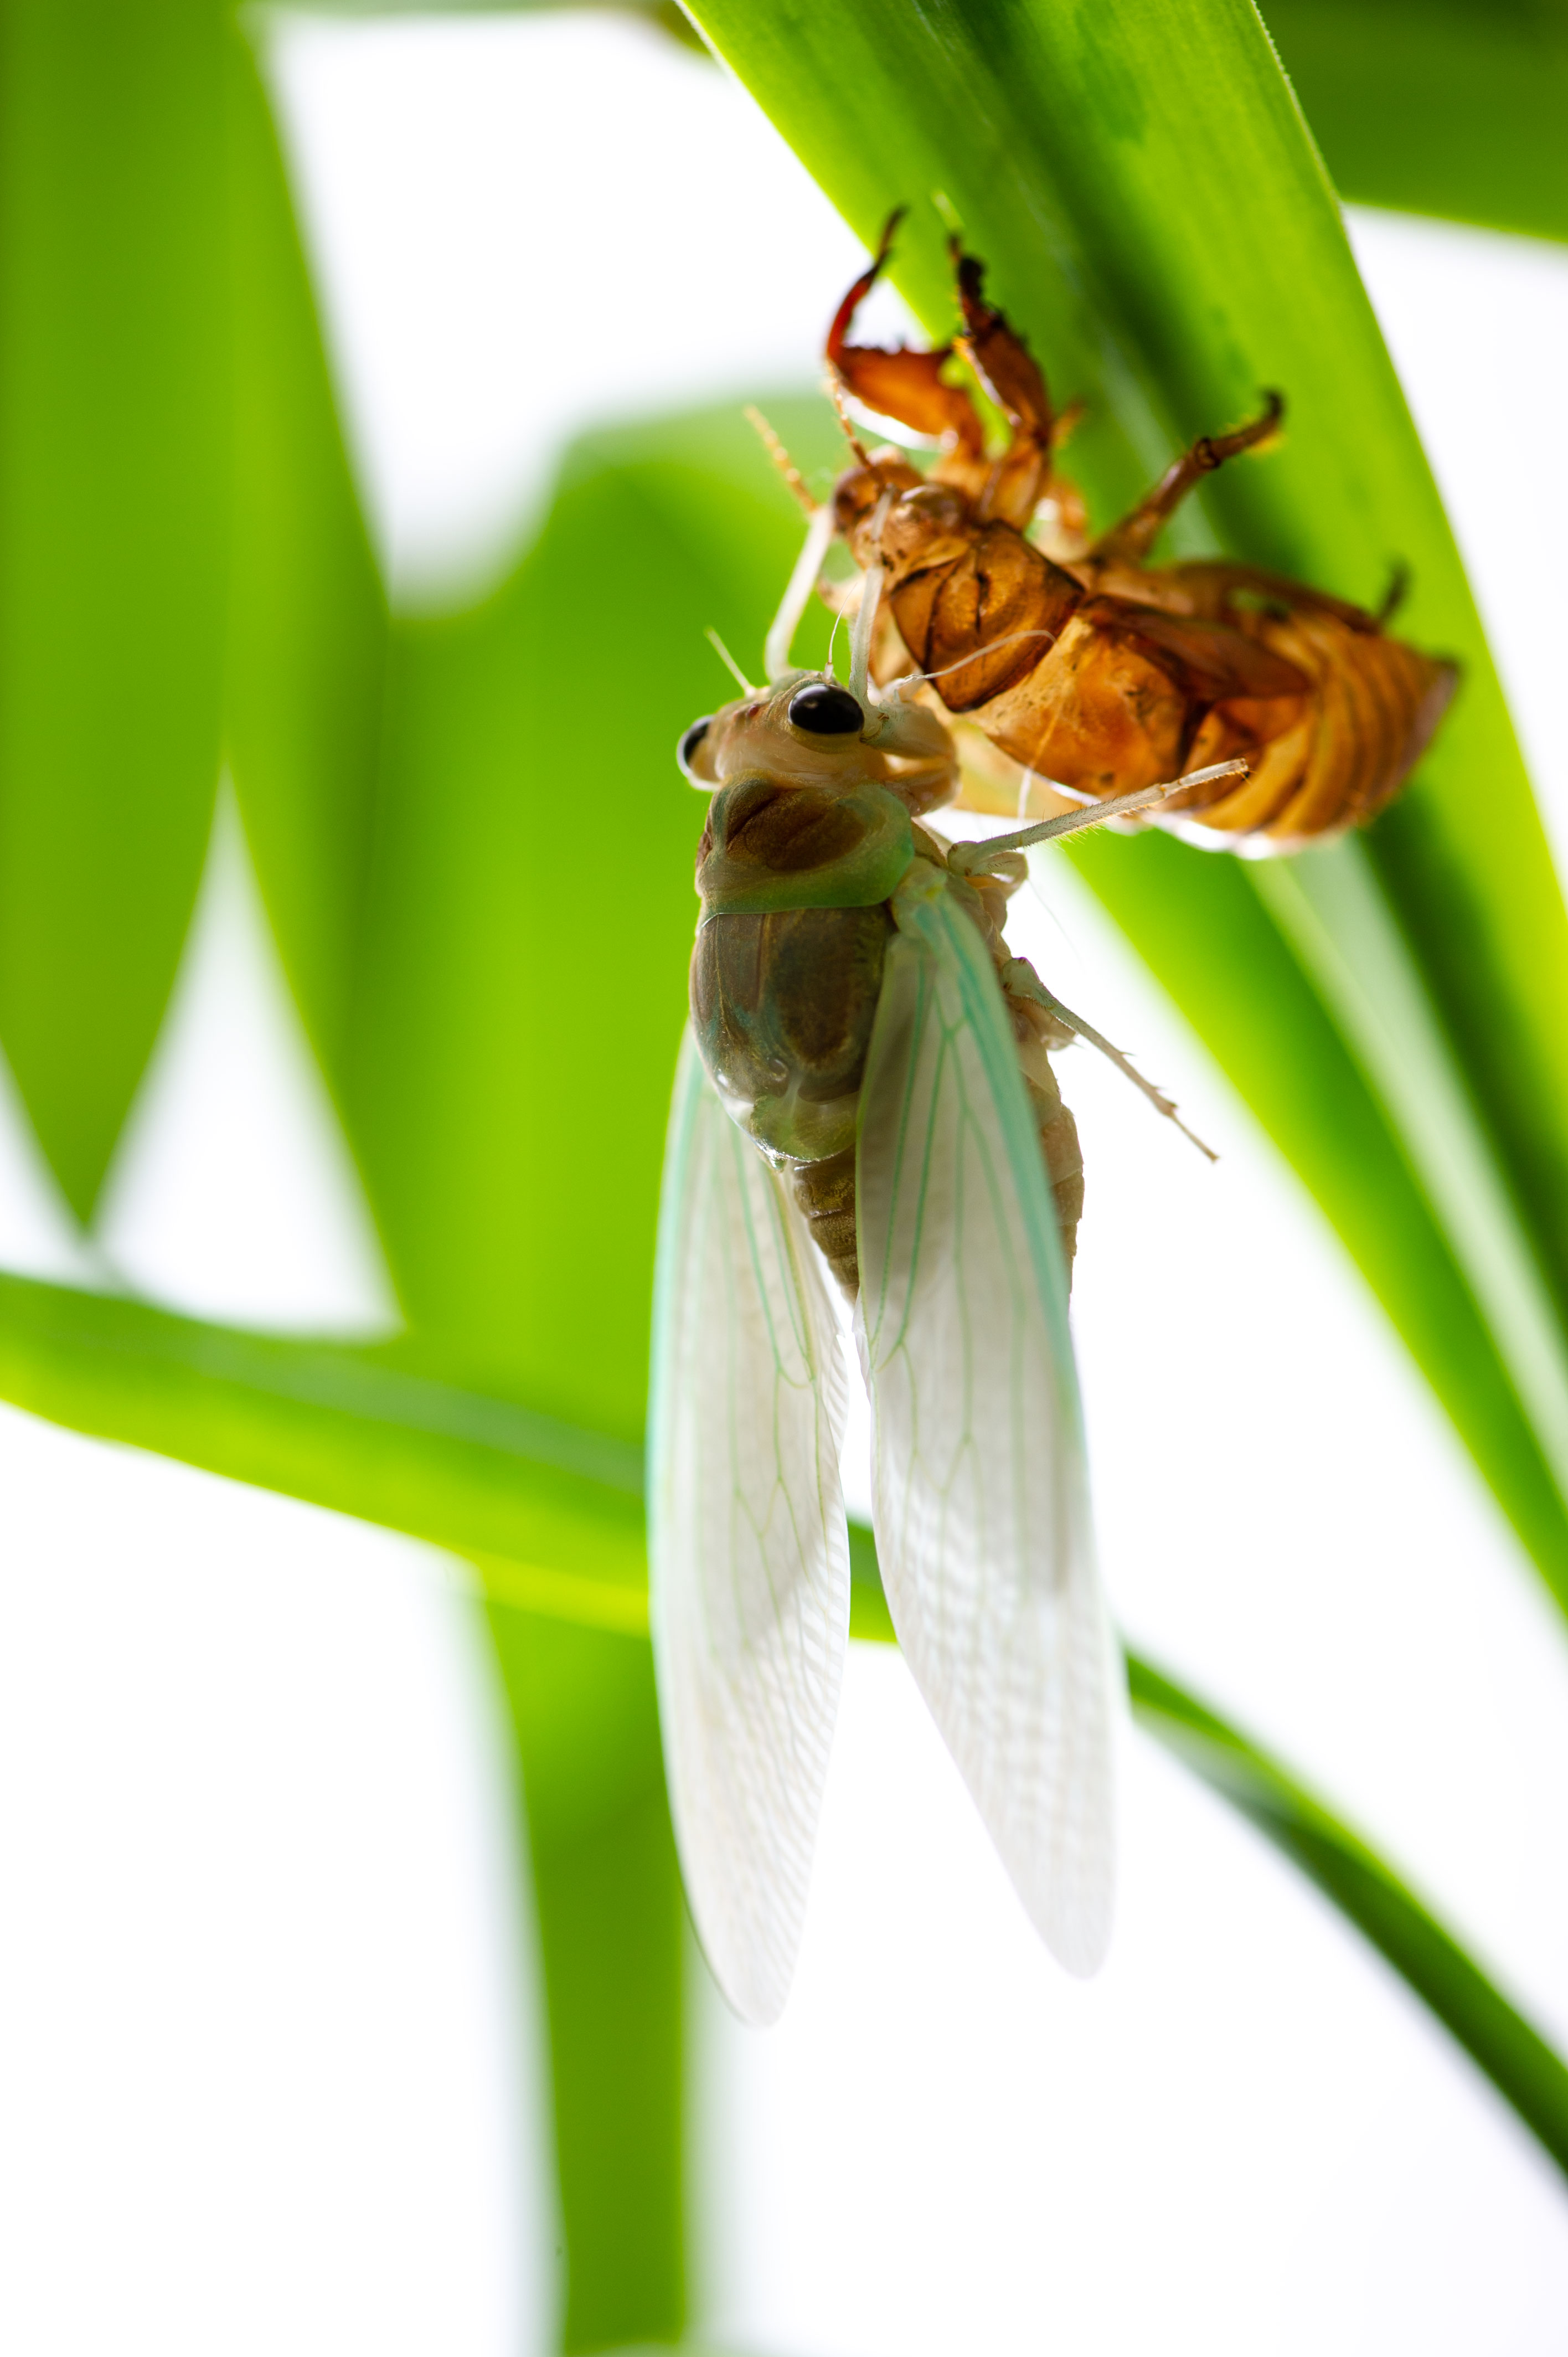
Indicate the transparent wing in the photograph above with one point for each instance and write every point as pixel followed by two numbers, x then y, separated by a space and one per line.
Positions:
pixel 981 1491
pixel 748 1546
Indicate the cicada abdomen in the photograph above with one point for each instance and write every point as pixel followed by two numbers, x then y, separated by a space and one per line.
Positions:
pixel 1089 666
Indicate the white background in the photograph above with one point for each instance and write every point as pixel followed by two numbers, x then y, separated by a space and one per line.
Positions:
pixel 269 2066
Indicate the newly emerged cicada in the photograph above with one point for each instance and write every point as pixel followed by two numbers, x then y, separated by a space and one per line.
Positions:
pixel 865 1096
pixel 1084 664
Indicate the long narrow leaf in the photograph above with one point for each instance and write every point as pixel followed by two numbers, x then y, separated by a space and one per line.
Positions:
pixel 345 1429
pixel 1513 2054
pixel 611 1931
pixel 1155 217
pixel 1453 107
pixel 115 468
pixel 307 646
pixel 553 1517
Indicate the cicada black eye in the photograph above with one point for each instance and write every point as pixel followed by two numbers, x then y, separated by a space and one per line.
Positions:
pixel 823 710
pixel 686 748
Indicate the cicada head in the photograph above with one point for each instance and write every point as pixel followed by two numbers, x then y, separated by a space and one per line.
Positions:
pixel 808 730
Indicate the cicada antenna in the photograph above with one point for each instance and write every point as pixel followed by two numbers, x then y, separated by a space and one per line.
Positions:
pixel 833 384
pixel 808 564
pixel 794 481
pixel 923 678
pixel 730 664
pixel 798 594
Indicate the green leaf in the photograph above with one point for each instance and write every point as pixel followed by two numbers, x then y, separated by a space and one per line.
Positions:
pixel 114 427
pixel 612 1933
pixel 307 647
pixel 1156 218
pixel 1513 2055
pixel 358 1430
pixel 558 1510
pixel 1450 107
pixel 1437 106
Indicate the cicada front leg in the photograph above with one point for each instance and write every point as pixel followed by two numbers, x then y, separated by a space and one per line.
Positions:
pixel 1129 542
pixel 1023 476
pixel 911 387
pixel 905 385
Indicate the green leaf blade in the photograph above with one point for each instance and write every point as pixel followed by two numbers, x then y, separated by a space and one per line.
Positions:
pixel 1155 216
pixel 308 632
pixel 1435 106
pixel 114 465
pixel 1507 2047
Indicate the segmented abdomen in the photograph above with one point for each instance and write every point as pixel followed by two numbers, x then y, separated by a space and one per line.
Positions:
pixel 1374 705
pixel 1105 713
pixel 824 1191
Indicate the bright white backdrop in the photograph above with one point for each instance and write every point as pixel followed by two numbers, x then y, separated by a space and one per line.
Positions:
pixel 267 2081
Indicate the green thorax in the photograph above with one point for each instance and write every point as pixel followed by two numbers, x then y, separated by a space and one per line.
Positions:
pixel 769 847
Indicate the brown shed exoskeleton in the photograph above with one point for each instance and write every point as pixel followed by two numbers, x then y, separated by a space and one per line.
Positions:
pixel 1087 665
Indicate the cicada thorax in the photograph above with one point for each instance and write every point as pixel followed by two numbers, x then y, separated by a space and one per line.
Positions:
pixel 1087 665
pixel 796 870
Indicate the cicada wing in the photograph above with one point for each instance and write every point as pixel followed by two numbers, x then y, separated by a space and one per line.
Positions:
pixel 748 1541
pixel 980 1486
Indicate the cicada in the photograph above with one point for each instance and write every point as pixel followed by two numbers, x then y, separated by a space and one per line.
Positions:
pixel 864 1098
pixel 1089 668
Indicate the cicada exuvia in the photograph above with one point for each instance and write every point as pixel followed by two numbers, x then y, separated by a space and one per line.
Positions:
pixel 864 1097
pixel 1081 662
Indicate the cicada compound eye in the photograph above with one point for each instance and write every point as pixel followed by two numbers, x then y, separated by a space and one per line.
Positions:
pixel 685 752
pixel 822 709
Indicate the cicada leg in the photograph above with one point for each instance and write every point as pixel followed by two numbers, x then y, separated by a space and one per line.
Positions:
pixel 1010 375
pixel 904 384
pixel 1131 540
pixel 1020 981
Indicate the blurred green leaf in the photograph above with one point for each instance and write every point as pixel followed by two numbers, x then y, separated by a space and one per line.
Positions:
pixel 1453 107
pixel 352 1429
pixel 612 1928
pixel 1095 159
pixel 114 468
pixel 308 649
